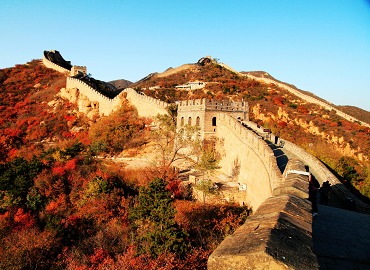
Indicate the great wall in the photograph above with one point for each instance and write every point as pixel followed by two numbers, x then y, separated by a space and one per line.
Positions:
pixel 299 94
pixel 280 230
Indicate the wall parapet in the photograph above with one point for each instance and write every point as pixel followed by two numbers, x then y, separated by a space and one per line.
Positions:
pixel 106 105
pixel 258 168
pixel 47 63
pixel 322 172
pixel 146 105
pixel 274 237
pixel 216 105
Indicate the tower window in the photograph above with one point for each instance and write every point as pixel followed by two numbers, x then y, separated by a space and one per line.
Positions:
pixel 197 123
pixel 214 121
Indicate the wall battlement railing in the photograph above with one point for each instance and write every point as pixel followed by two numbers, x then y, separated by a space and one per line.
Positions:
pixel 106 105
pixel 146 106
pixel 47 63
pixel 213 105
pixel 255 144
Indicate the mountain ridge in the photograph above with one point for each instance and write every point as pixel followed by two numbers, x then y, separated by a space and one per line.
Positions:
pixel 359 113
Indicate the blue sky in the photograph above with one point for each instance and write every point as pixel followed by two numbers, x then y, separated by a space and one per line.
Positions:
pixel 319 46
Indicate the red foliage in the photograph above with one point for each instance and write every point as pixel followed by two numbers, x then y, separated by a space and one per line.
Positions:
pixel 282 124
pixel 278 100
pixel 302 109
pixel 175 187
pixel 58 171
pixel 23 219
pixel 71 164
pixel 99 256
pixel 57 205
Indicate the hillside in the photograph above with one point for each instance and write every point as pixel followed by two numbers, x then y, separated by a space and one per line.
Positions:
pixel 340 144
pixel 66 204
pixel 359 113
pixel 356 112
pixel 68 199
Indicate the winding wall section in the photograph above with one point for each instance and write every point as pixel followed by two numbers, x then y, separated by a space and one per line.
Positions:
pixel 145 105
pixel 309 99
pixel 258 166
pixel 106 105
pixel 47 63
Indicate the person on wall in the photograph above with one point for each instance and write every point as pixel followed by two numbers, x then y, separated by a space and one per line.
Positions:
pixel 324 193
pixel 313 187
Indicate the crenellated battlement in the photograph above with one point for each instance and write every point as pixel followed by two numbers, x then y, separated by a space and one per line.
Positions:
pixel 204 113
pixel 104 104
pixel 213 105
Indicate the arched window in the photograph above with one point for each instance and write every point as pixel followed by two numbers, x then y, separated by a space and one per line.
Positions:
pixel 189 121
pixel 197 123
pixel 182 121
pixel 214 121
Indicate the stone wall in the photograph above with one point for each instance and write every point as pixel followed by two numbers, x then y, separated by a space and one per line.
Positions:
pixel 322 172
pixel 47 63
pixel 258 167
pixel 145 105
pixel 105 105
pixel 277 236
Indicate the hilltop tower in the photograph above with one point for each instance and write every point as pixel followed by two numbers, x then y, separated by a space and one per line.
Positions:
pixel 204 113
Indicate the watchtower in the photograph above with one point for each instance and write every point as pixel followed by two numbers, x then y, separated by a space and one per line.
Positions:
pixel 203 113
pixel 78 69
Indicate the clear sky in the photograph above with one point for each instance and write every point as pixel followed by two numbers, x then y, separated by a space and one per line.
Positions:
pixel 322 46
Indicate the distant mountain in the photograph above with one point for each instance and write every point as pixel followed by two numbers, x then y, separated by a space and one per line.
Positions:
pixel 121 84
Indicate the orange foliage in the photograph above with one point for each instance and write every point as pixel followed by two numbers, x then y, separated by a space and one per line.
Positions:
pixel 23 219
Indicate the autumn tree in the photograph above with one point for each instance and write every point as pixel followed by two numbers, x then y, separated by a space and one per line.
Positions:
pixel 120 130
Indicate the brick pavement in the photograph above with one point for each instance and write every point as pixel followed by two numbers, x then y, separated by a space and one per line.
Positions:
pixel 341 239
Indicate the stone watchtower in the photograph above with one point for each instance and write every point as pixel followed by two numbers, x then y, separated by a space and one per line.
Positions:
pixel 78 69
pixel 203 113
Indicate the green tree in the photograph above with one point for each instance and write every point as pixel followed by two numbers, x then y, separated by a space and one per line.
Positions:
pixel 16 177
pixel 346 167
pixel 153 219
